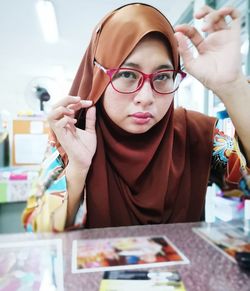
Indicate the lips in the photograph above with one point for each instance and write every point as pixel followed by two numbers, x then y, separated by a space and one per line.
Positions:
pixel 141 118
pixel 143 115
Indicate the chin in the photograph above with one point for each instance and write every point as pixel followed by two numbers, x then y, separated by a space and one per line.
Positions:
pixel 137 129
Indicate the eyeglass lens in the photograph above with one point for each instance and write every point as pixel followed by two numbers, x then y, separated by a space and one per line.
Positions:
pixel 126 80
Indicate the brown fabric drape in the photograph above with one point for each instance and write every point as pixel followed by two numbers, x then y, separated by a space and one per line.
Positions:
pixel 159 176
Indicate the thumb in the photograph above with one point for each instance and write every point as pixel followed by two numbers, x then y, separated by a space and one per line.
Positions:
pixel 90 119
pixel 184 49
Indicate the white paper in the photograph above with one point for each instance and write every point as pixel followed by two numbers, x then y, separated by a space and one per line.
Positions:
pixel 36 127
pixel 30 148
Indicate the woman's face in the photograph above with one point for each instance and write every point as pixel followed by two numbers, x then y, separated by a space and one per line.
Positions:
pixel 138 112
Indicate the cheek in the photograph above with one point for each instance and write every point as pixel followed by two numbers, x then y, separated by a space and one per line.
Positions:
pixel 113 103
pixel 163 106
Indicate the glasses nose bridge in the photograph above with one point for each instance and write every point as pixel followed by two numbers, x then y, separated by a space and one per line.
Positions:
pixel 147 77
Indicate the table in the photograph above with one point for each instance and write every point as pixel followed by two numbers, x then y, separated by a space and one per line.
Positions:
pixel 209 269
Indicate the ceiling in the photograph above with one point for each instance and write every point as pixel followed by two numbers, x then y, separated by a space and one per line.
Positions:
pixel 24 55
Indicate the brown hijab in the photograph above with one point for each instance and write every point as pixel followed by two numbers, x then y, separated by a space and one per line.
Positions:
pixel 159 176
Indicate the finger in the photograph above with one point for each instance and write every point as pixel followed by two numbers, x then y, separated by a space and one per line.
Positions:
pixel 184 49
pixel 59 112
pixel 228 11
pixel 66 101
pixel 71 128
pixel 90 119
pixel 225 18
pixel 204 10
pixel 64 121
pixel 81 104
pixel 75 106
pixel 190 32
pixel 211 26
pixel 216 20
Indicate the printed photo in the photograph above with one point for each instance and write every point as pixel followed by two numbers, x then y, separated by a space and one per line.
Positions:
pixel 124 253
pixel 135 280
pixel 31 265
pixel 226 238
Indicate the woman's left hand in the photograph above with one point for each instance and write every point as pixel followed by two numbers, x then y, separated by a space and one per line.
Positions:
pixel 218 62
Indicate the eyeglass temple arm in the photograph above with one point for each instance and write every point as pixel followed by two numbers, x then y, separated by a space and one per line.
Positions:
pixel 100 67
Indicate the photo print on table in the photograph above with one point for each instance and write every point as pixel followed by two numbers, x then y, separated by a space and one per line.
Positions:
pixel 92 255
pixel 31 265
pixel 226 238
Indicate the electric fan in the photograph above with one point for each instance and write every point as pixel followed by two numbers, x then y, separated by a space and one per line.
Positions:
pixel 40 93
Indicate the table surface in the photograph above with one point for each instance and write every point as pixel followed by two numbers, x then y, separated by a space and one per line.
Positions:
pixel 208 270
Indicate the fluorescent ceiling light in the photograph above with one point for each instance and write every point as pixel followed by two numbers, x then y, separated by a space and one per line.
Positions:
pixel 47 19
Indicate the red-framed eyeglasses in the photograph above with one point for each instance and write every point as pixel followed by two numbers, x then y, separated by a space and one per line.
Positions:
pixel 127 80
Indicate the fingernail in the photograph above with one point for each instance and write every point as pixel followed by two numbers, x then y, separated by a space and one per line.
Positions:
pixel 86 102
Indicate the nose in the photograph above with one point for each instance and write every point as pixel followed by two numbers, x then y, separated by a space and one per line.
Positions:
pixel 145 96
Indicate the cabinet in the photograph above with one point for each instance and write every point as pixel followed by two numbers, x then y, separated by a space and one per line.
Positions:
pixel 29 137
pixel 10 217
pixel 15 185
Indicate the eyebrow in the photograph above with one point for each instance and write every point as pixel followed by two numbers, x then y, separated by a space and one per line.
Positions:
pixel 161 67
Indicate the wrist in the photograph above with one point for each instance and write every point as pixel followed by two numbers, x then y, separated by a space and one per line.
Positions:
pixel 76 170
pixel 232 89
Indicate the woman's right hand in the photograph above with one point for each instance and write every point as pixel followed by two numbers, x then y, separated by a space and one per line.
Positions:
pixel 79 145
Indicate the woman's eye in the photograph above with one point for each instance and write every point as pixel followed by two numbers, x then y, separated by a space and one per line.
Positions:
pixel 164 76
pixel 126 75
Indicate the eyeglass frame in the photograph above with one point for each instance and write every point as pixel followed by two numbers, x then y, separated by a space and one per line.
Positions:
pixel 111 72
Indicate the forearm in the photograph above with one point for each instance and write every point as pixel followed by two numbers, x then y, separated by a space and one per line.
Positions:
pixel 75 185
pixel 236 98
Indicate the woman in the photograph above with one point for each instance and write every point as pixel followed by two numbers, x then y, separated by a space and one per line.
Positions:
pixel 132 158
